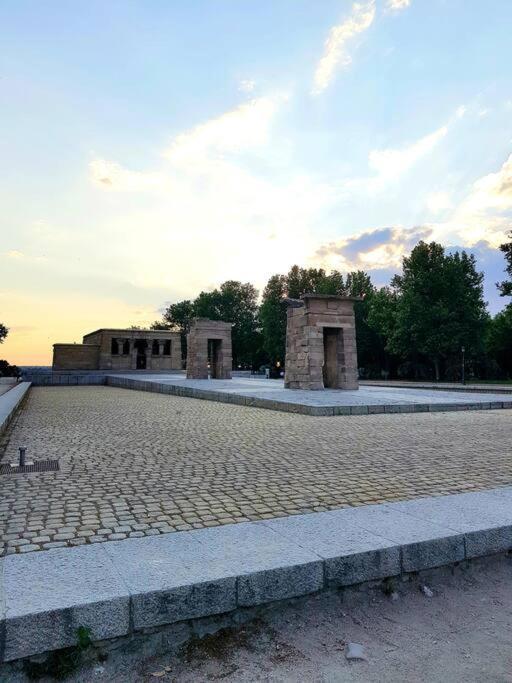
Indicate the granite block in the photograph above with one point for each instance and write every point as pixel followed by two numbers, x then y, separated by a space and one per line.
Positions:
pixel 49 595
pixel 170 581
pixel 269 567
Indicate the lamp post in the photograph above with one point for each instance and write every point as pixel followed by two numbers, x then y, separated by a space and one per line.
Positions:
pixel 463 374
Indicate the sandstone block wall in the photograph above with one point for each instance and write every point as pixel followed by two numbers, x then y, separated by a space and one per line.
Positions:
pixel 75 356
pixel 209 338
pixel 321 343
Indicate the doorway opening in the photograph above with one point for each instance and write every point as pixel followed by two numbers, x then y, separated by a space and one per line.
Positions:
pixel 214 357
pixel 333 342
pixel 140 359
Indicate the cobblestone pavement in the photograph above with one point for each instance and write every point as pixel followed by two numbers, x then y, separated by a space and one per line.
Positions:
pixel 138 463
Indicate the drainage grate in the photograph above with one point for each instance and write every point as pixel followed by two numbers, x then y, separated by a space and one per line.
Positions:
pixel 37 466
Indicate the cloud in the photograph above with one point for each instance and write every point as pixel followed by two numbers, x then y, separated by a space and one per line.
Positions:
pixel 486 211
pixel 244 128
pixel 397 5
pixel 246 85
pixel 221 190
pixel 382 248
pixel 439 201
pixel 391 163
pixel 478 224
pixel 109 175
pixel 336 55
pixel 16 255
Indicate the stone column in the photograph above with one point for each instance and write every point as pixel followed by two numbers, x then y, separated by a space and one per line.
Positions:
pixel 161 344
pixel 120 345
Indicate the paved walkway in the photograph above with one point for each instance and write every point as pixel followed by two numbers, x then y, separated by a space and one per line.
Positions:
pixel 4 388
pixel 137 463
pixel 273 390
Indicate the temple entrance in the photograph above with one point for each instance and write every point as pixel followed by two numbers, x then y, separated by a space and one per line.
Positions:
pixel 332 339
pixel 141 346
pixel 214 357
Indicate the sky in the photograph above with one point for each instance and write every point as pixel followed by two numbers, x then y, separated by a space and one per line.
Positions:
pixel 151 150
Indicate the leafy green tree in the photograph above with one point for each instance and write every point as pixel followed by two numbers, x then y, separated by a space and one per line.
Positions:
pixel 499 340
pixel 177 316
pixel 370 346
pixel 506 286
pixel 4 331
pixel 272 316
pixel 235 302
pixel 440 307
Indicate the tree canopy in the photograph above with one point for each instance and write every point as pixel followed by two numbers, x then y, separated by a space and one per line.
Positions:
pixel 440 307
pixel 505 287
pixel 415 327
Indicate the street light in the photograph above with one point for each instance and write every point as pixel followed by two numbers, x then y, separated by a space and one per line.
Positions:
pixel 463 374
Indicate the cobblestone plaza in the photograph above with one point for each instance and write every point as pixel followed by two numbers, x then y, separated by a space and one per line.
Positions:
pixel 138 463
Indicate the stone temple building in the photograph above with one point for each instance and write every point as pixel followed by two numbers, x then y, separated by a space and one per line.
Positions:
pixel 209 350
pixel 107 349
pixel 321 343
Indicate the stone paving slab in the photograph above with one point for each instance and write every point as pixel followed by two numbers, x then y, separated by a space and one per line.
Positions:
pixel 120 588
pixel 271 394
pixel 136 464
pixel 441 386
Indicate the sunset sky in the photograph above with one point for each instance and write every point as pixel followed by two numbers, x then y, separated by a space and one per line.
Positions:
pixel 153 149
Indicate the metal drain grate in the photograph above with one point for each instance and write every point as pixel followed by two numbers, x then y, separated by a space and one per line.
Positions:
pixel 37 466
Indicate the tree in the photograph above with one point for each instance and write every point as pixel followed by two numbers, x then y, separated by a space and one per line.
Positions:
pixel 370 346
pixel 237 302
pixel 440 307
pixel 7 370
pixel 234 302
pixel 4 331
pixel 177 317
pixel 499 340
pixel 381 319
pixel 505 287
pixel 272 316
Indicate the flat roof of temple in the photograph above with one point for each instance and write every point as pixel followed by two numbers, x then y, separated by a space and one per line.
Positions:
pixel 131 330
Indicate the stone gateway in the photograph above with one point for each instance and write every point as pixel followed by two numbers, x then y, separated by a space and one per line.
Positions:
pixel 321 343
pixel 209 351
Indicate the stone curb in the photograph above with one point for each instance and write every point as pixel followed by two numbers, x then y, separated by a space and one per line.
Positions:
pixel 9 403
pixel 122 588
pixel 466 388
pixel 300 408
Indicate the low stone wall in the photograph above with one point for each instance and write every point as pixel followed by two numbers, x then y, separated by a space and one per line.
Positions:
pixel 10 402
pixel 92 377
pixel 137 587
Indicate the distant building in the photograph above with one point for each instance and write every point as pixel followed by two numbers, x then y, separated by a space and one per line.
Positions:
pixel 121 350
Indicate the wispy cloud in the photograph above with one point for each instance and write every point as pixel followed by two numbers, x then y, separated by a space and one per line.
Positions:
pixel 336 49
pixel 397 5
pixel 391 163
pixel 486 211
pixel 227 181
pixel 246 85
pixel 245 127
